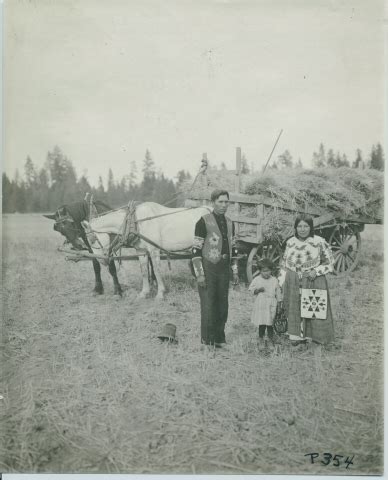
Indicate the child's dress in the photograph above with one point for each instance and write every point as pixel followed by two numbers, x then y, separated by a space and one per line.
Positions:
pixel 264 308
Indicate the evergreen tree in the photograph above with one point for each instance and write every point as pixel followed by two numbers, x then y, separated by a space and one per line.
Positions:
pixel 181 186
pixel 164 191
pixel 319 159
pixel 113 190
pixel 30 173
pixel 132 175
pixel 83 186
pixel 17 194
pixel 285 160
pixel 358 161
pixel 182 178
pixel 148 165
pixel 338 160
pixel 123 187
pixel 60 167
pixel 100 188
pixel 345 161
pixel 31 193
pixel 244 165
pixel 63 187
pixel 17 177
pixel 110 183
pixel 43 187
pixel 7 188
pixel 147 186
pixel 20 197
pixel 377 157
pixel 331 161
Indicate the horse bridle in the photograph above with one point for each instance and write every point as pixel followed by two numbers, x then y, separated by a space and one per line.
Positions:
pixel 67 219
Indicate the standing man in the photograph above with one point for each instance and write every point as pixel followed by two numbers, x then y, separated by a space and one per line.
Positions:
pixel 214 252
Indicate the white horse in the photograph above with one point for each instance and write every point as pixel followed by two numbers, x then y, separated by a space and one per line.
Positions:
pixel 171 229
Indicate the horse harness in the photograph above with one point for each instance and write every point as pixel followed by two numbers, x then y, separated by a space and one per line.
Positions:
pixel 130 233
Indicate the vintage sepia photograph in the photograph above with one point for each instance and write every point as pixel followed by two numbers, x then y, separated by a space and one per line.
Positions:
pixel 193 237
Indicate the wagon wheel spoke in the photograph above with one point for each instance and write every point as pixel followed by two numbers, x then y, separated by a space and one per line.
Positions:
pixel 338 264
pixel 342 268
pixel 348 232
pixel 345 242
pixel 344 235
pixel 351 259
pixel 336 238
pixel 271 251
pixel 275 257
pixel 344 263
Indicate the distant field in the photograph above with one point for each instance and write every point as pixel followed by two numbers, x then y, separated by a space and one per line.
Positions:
pixel 89 388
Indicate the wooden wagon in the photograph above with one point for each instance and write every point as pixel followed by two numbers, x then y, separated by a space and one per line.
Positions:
pixel 250 212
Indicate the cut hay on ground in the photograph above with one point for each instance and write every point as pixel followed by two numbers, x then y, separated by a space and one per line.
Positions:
pixel 88 387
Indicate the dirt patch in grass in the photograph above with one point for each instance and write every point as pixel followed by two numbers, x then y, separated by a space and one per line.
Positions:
pixel 88 387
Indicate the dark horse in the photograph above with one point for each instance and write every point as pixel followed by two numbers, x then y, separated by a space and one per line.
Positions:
pixel 68 220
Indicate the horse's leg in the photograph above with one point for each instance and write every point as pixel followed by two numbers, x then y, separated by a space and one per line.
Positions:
pixel 143 259
pixel 155 257
pixel 97 275
pixel 112 270
pixel 98 287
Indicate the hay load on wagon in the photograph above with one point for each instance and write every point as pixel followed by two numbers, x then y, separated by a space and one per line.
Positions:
pixel 342 191
pixel 347 191
pixel 341 200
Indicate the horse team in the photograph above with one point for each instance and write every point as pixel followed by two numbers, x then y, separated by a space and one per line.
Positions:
pixel 152 227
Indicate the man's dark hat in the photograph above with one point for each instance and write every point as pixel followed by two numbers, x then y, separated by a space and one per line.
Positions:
pixel 168 333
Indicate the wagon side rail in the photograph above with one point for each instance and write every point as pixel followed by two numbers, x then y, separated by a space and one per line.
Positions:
pixel 341 231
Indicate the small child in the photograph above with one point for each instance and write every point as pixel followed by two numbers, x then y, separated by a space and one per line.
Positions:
pixel 268 294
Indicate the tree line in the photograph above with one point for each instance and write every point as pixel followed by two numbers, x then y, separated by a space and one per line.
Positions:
pixel 328 158
pixel 56 183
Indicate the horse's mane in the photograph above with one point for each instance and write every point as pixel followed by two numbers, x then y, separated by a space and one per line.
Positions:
pixel 101 207
pixel 79 211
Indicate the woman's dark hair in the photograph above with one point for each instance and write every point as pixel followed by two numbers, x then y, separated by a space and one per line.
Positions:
pixel 266 263
pixel 304 218
pixel 216 194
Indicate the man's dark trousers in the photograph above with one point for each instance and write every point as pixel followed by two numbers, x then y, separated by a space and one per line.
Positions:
pixel 214 301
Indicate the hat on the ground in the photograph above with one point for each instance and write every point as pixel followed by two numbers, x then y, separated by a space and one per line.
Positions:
pixel 168 333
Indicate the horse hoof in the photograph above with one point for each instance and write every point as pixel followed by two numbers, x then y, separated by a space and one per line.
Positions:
pixel 160 297
pixel 98 290
pixel 118 293
pixel 142 295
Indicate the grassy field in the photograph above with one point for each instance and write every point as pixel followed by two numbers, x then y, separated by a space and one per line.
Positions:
pixel 87 387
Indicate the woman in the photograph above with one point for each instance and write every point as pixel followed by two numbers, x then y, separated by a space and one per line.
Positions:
pixel 306 261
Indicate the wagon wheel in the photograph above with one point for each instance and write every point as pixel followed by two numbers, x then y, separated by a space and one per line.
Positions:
pixel 345 242
pixel 272 251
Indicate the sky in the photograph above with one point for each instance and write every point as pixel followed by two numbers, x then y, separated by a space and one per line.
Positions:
pixel 107 80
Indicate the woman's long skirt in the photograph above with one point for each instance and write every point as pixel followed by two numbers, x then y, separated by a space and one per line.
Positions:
pixel 321 331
